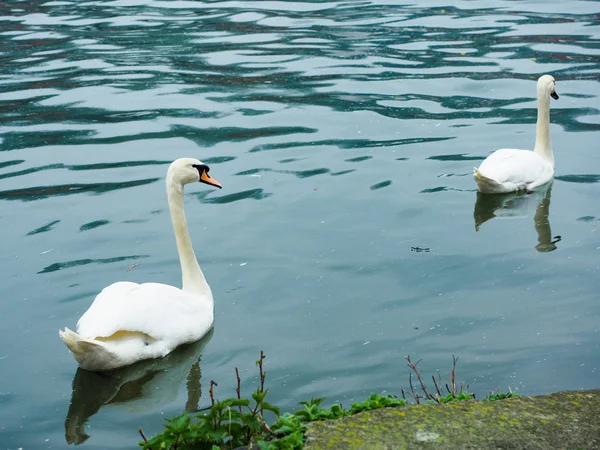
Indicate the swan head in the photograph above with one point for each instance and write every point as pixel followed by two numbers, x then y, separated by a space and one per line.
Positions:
pixel 546 86
pixel 190 170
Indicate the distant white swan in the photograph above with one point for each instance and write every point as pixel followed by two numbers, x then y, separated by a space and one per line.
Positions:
pixel 509 170
pixel 130 322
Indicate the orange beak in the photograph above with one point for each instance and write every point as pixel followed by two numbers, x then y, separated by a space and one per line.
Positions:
pixel 208 180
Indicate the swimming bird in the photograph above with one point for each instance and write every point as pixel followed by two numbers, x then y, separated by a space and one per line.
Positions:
pixel 509 170
pixel 130 322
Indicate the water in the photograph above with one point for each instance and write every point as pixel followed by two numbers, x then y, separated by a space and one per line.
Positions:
pixel 344 134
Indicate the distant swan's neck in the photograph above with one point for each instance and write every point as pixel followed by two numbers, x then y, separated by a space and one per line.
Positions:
pixel 543 146
pixel 193 278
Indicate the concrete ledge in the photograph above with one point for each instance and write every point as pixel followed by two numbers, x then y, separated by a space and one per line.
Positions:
pixel 564 420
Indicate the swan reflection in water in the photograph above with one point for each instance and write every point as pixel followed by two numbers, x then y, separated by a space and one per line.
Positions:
pixel 138 388
pixel 519 205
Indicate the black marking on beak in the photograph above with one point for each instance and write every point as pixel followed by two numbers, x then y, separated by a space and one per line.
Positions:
pixel 201 168
pixel 204 177
pixel 554 95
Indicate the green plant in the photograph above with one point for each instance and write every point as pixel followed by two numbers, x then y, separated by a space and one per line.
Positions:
pixel 239 422
pixel 229 423
pixel 493 396
pixel 375 402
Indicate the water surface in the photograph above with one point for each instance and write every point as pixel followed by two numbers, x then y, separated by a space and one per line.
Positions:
pixel 344 134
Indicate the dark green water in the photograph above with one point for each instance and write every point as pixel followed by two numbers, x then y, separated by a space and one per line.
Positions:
pixel 344 134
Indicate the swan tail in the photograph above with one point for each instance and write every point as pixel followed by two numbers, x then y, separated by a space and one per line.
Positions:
pixel 485 184
pixel 85 351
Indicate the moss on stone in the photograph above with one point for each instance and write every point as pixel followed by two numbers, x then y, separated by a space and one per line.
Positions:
pixel 564 420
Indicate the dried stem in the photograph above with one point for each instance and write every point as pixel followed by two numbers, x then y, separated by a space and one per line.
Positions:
pixel 412 392
pixel 212 393
pixel 265 426
pixel 453 376
pixel 417 372
pixel 262 373
pixel 437 387
pixel 238 389
pixel 143 436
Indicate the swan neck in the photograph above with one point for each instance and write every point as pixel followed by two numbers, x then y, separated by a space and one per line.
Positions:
pixel 192 276
pixel 543 146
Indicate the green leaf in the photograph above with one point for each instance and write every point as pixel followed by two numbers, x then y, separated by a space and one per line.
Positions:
pixel 270 407
pixel 313 401
pixel 259 396
pixel 178 424
pixel 240 402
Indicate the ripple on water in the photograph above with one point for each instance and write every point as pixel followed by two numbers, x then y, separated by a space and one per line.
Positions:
pixel 49 226
pixel 95 224
pixel 358 159
pixel 255 194
pixel 98 97
pixel 84 262
pixel 44 192
pixel 381 185
pixel 579 178
pixel 456 157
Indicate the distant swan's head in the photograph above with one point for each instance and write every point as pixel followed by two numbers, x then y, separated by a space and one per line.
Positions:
pixel 190 170
pixel 546 85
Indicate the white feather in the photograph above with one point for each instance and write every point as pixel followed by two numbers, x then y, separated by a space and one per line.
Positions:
pixel 130 322
pixel 509 170
pixel 150 308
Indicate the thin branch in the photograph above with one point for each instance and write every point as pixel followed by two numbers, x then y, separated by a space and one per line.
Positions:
pixel 417 372
pixel 143 436
pixel 265 426
pixel 238 390
pixel 453 376
pixel 412 389
pixel 437 388
pixel 262 373
pixel 212 393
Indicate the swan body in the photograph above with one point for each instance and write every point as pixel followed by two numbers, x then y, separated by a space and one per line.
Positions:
pixel 130 322
pixel 510 170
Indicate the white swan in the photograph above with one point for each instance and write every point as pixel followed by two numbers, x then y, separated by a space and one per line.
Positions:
pixel 510 170
pixel 129 322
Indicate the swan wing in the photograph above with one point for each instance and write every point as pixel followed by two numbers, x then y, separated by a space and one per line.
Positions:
pixel 160 311
pixel 521 167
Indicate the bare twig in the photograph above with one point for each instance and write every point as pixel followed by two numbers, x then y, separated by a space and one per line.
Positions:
pixel 133 265
pixel 262 373
pixel 412 392
pixel 453 376
pixel 212 393
pixel 417 372
pixel 143 436
pixel 265 426
pixel 238 390
pixel 437 387
pixel 464 387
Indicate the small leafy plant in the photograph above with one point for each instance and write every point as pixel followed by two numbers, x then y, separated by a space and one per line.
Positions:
pixel 493 396
pixel 239 422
